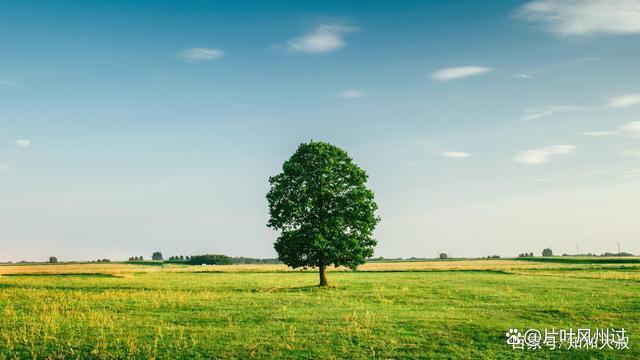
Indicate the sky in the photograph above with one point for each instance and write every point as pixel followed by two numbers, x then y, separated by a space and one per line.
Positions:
pixel 486 127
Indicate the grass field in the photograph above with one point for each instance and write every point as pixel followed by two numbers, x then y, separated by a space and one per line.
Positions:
pixel 431 309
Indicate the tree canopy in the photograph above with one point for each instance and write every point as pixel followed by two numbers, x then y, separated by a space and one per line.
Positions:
pixel 210 259
pixel 323 209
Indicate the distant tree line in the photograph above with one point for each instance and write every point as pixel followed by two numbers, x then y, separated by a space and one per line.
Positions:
pixel 603 254
pixel 413 258
pixel 529 254
pixel 217 259
pixel 617 254
pixel 208 259
pixel 246 260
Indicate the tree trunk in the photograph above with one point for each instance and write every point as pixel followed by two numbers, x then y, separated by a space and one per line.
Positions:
pixel 323 276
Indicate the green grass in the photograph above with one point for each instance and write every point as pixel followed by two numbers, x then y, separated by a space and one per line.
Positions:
pixel 430 314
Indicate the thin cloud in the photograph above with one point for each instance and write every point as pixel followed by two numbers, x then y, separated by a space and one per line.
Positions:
pixel 198 55
pixel 583 18
pixel 4 168
pixel 542 155
pixel 592 173
pixel 23 142
pixel 623 101
pixel 545 111
pixel 454 154
pixel 588 59
pixel 596 133
pixel 541 180
pixel 522 76
pixel 11 84
pixel 633 173
pixel 630 129
pixel 459 72
pixel 323 39
pixel 350 94
pixel 635 152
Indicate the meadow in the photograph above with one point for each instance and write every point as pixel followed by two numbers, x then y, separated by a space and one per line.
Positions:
pixel 426 309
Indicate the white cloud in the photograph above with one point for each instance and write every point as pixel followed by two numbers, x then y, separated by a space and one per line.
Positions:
pixel 459 72
pixel 588 59
pixel 23 142
pixel 323 39
pixel 352 94
pixel 542 155
pixel 4 167
pixel 623 101
pixel 631 129
pixel 196 55
pixel 633 173
pixel 11 84
pixel 584 17
pixel 454 154
pixel 631 152
pixel 522 76
pixel 540 180
pixel 592 173
pixel 596 133
pixel 544 111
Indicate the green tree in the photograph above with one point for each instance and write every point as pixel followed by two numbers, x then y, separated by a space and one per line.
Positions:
pixel 53 259
pixel 323 210
pixel 156 256
pixel 547 252
pixel 210 259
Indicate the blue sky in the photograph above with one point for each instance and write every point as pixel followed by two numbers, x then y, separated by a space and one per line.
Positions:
pixel 491 127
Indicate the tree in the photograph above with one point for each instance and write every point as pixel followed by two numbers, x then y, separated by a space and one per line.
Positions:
pixel 323 210
pixel 210 259
pixel 53 259
pixel 547 252
pixel 156 256
pixel 443 256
